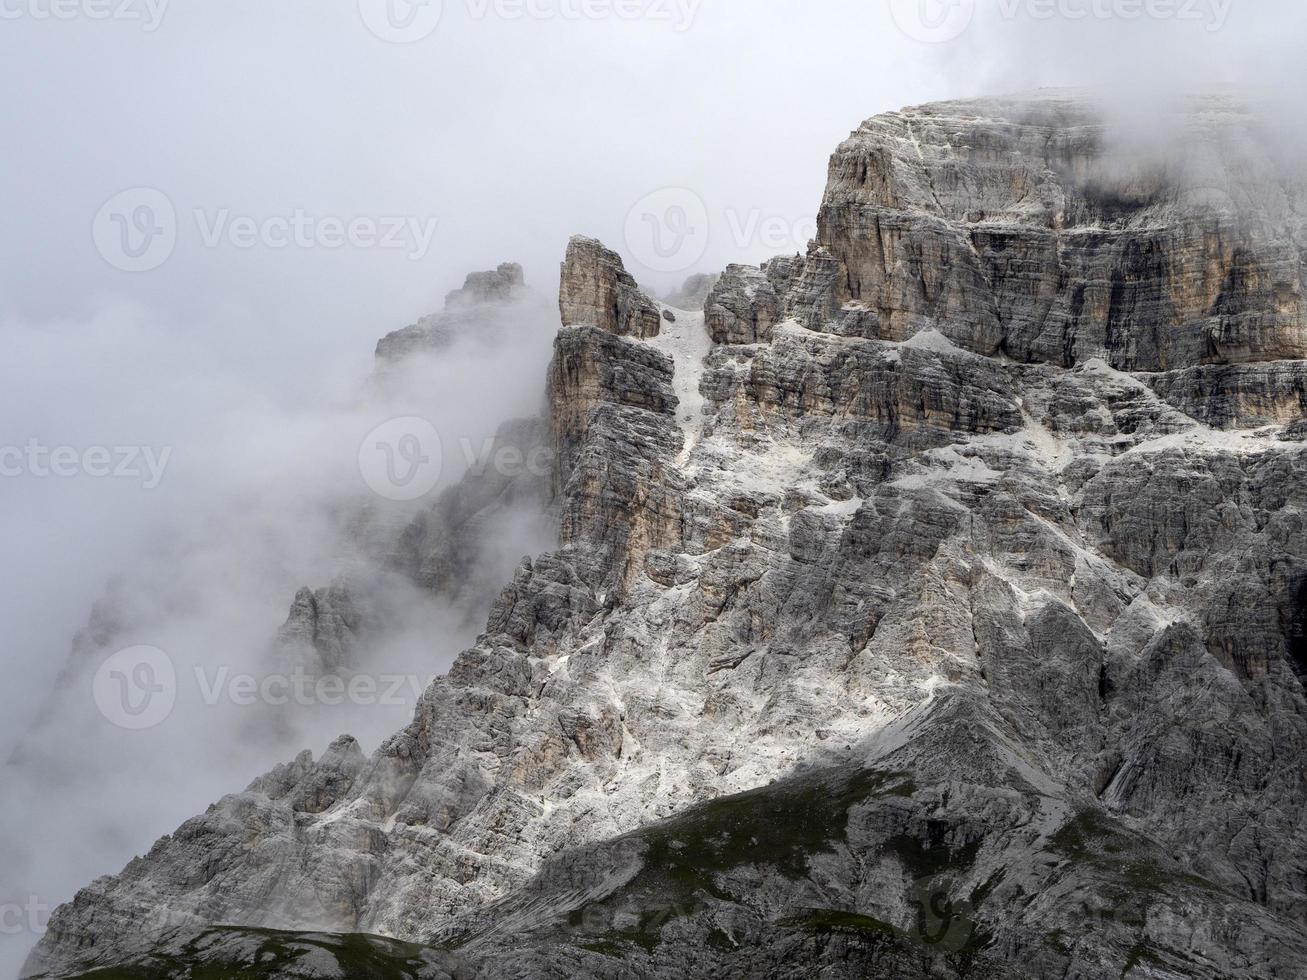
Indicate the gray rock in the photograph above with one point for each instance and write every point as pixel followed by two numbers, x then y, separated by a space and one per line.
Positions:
pixel 597 291
pixel 742 307
pixel 465 313
pixel 1228 396
pixel 894 628
pixel 1007 223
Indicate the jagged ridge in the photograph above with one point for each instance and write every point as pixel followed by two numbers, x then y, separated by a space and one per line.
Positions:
pixel 987 625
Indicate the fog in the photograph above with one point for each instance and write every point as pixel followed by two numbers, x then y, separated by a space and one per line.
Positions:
pixel 326 186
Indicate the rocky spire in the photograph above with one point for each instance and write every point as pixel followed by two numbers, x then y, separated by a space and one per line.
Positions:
pixel 597 291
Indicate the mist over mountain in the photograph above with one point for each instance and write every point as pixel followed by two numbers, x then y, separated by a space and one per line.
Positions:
pixel 886 560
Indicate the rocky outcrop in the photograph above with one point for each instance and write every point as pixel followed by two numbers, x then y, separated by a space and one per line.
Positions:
pixel 1242 396
pixel 501 285
pixel 742 307
pixel 322 627
pixel 746 302
pixel 950 625
pixel 1012 227
pixel 597 291
pixel 445 548
pixel 613 418
pixel 466 312
pixel 915 395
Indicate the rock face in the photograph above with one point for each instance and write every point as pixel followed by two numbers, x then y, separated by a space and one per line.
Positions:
pixel 443 549
pixel 936 608
pixel 324 626
pixel 502 285
pixel 1236 395
pixel 1030 238
pixel 597 291
pixel 742 307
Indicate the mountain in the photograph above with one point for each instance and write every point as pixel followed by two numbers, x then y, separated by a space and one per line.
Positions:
pixel 931 605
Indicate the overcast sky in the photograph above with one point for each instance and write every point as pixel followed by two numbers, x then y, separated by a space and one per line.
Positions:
pixel 436 139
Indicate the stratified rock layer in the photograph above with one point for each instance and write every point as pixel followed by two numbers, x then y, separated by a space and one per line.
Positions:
pixel 597 291
pixel 742 307
pixel 935 609
pixel 1020 228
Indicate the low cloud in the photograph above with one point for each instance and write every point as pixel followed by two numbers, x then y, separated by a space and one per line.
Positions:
pixel 290 143
pixel 171 697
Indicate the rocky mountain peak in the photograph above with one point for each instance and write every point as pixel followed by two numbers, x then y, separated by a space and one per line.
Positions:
pixel 597 291
pixel 500 285
pixel 931 607
pixel 1021 227
pixel 476 311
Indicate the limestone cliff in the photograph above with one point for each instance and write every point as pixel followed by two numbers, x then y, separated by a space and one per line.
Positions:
pixel 934 606
pixel 597 291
